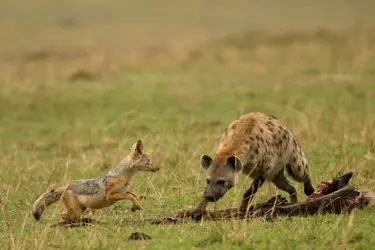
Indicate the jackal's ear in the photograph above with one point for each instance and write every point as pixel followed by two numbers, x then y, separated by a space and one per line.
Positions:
pixel 206 162
pixel 140 147
pixel 234 162
pixel 137 148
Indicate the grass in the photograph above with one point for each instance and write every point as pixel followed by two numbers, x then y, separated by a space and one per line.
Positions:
pixel 79 87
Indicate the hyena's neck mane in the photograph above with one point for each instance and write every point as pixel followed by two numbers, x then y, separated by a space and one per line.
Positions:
pixel 221 156
pixel 229 146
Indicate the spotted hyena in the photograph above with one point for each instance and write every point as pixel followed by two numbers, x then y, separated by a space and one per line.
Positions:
pixel 260 146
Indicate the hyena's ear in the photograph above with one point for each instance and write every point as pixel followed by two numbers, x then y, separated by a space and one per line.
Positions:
pixel 206 162
pixel 137 148
pixel 234 162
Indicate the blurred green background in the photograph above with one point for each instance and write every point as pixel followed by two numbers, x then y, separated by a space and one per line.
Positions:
pixel 81 81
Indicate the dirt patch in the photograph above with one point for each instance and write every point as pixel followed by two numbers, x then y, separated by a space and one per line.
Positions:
pixel 83 222
pixel 139 236
pixel 83 75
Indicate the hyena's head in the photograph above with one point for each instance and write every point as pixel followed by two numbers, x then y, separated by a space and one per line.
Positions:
pixel 220 176
pixel 141 161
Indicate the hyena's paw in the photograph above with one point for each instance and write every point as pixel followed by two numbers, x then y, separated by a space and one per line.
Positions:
pixel 198 214
pixel 135 207
pixel 243 209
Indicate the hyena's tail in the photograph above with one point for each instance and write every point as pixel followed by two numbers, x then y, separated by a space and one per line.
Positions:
pixel 45 200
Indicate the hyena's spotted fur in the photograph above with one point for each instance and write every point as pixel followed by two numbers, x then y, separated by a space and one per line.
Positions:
pixel 262 146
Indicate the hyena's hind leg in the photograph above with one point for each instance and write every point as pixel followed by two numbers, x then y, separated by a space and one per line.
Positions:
pixel 298 169
pixel 281 182
pixel 73 208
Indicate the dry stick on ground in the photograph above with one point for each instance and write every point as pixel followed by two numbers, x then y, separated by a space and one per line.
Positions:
pixel 330 197
pixel 77 223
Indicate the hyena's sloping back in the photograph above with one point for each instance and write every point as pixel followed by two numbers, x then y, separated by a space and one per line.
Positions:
pixel 286 144
pixel 246 137
pixel 264 140
pixel 288 149
pixel 235 139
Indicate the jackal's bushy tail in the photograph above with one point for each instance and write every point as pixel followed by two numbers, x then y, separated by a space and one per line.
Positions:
pixel 45 200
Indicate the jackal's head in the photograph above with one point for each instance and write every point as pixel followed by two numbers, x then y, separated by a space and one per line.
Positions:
pixel 220 176
pixel 141 161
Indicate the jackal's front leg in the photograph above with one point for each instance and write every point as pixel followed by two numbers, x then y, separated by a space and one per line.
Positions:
pixel 114 192
pixel 134 208
pixel 125 196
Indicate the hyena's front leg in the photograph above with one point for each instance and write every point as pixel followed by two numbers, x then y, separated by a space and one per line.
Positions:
pixel 200 211
pixel 249 194
pixel 203 204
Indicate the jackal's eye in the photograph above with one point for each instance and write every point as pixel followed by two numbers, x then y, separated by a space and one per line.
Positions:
pixel 220 182
pixel 208 181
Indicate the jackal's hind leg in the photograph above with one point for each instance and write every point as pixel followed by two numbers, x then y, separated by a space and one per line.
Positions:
pixel 73 208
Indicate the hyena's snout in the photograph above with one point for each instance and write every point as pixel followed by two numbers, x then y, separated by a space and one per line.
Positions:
pixel 210 197
pixel 213 195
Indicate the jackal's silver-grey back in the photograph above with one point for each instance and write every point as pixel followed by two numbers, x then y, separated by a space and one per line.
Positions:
pixel 99 192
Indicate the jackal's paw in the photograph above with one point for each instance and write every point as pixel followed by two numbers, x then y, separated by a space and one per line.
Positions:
pixel 135 208
pixel 65 216
pixel 69 219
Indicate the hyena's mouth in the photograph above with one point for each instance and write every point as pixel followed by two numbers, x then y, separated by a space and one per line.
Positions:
pixel 213 198
pixel 210 198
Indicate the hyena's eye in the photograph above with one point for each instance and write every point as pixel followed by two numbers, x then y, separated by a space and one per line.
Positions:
pixel 220 182
pixel 208 181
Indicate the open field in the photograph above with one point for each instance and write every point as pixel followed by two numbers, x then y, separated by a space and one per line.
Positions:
pixel 80 82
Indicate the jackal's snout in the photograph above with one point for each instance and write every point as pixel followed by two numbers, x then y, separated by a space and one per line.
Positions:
pixel 154 169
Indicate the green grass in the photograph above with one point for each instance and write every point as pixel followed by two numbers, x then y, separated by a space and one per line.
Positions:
pixel 80 83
